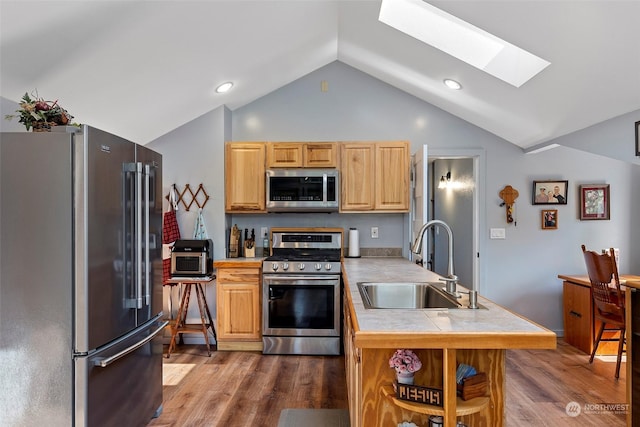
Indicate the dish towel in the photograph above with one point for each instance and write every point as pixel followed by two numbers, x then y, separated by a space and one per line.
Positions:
pixel 170 233
pixel 200 230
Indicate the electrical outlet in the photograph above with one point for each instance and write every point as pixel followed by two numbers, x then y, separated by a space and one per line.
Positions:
pixel 263 231
pixel 497 233
pixel 374 232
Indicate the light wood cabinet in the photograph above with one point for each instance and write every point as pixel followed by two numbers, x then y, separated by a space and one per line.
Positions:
pixel 245 177
pixel 580 323
pixel 238 306
pixel 353 369
pixel 577 316
pixel 375 176
pixel 302 155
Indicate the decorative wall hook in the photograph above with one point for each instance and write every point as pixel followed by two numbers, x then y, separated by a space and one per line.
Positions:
pixel 509 195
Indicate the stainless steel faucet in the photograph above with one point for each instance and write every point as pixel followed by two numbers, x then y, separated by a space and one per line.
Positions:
pixel 451 280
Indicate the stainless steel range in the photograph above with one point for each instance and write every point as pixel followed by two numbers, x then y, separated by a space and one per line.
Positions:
pixel 301 292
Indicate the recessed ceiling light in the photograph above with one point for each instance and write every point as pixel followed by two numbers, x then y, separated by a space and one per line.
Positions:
pixel 224 87
pixel 452 84
pixel 462 40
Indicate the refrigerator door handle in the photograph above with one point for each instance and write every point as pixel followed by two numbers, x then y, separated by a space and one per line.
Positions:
pixel 138 235
pixel 147 260
pixel 104 362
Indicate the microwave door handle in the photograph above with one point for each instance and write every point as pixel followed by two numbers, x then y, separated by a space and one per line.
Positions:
pixel 325 186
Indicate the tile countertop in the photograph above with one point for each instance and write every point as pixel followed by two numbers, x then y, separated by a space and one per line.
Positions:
pixel 489 327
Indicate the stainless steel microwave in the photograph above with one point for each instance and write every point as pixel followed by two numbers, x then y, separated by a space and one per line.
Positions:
pixel 303 190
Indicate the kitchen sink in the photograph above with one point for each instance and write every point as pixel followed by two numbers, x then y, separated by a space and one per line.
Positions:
pixel 410 295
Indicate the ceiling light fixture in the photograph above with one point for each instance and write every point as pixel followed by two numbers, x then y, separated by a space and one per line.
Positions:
pixel 224 87
pixel 452 84
pixel 461 40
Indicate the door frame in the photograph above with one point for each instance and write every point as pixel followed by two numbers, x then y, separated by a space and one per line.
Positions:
pixel 478 156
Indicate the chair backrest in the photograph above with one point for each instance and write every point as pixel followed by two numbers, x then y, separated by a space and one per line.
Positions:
pixel 603 272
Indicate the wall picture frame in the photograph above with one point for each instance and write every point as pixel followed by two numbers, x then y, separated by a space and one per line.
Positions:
pixel 638 138
pixel 550 192
pixel 549 219
pixel 594 202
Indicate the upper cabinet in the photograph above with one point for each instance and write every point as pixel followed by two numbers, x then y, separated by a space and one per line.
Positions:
pixel 375 176
pixel 244 177
pixel 302 155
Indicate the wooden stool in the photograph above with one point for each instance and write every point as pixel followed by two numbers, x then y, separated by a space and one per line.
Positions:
pixel 180 326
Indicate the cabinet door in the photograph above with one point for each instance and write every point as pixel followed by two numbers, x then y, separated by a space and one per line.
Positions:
pixel 285 154
pixel 244 177
pixel 357 174
pixel 321 155
pixel 353 370
pixel 238 304
pixel 392 176
pixel 578 326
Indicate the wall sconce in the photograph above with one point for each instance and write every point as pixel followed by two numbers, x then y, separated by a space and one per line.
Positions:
pixel 444 180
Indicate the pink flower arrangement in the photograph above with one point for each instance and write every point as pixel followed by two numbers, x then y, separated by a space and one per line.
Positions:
pixel 404 361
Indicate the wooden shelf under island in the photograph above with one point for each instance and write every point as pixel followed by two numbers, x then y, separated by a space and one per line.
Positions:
pixel 463 407
pixel 442 339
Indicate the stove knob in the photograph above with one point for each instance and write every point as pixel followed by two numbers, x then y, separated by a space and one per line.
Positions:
pixel 285 266
pixel 301 266
pixel 318 266
pixel 274 266
pixel 328 266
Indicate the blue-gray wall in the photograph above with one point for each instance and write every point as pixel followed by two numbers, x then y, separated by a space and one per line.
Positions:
pixel 519 272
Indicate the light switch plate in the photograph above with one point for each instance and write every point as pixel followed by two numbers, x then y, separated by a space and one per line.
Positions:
pixel 497 233
pixel 374 232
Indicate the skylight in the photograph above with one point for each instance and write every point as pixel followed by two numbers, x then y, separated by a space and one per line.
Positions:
pixel 462 40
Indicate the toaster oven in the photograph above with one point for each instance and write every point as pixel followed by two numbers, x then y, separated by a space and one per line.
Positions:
pixel 192 258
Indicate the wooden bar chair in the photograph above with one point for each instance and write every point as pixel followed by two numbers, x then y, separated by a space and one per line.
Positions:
pixel 607 297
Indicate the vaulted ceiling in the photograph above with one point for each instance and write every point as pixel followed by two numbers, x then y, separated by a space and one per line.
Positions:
pixel 143 68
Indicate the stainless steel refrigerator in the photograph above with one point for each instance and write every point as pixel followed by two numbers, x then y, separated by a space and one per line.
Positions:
pixel 80 305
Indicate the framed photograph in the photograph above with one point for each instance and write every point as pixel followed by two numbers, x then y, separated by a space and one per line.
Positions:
pixel 638 138
pixel 594 201
pixel 549 219
pixel 550 192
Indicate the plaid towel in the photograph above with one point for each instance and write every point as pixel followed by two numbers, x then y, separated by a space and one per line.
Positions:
pixel 170 230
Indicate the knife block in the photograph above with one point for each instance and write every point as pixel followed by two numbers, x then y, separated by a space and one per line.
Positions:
pixel 249 252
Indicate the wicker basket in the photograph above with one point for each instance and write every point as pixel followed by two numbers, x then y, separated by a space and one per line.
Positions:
pixel 42 126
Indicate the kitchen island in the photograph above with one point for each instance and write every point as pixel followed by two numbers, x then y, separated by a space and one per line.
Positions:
pixel 442 338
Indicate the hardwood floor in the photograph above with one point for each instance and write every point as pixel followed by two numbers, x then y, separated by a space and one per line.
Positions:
pixel 238 389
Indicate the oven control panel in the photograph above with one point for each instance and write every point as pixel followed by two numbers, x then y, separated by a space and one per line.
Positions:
pixel 301 267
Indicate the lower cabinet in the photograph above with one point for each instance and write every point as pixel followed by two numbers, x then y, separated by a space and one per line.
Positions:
pixel 238 307
pixel 353 370
pixel 578 322
pixel 580 325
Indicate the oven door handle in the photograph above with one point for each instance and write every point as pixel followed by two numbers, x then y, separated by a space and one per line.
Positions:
pixel 298 280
